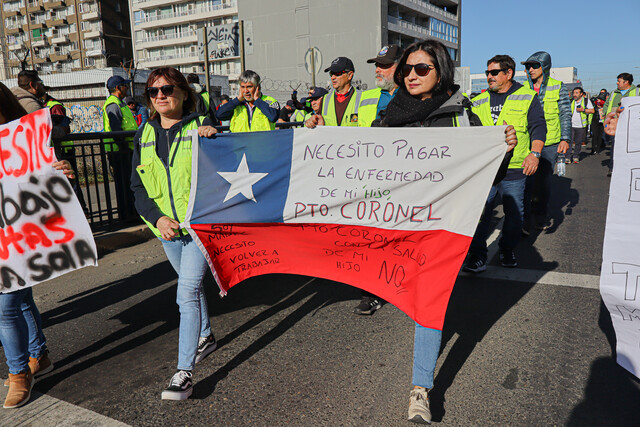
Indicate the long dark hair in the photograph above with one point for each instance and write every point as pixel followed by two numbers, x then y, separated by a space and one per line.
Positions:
pixel 445 68
pixel 173 77
pixel 10 107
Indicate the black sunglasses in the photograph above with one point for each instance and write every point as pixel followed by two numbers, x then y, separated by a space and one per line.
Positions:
pixel 534 65
pixel 337 73
pixel 421 69
pixel 494 72
pixel 167 90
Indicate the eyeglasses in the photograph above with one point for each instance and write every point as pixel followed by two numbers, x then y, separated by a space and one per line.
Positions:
pixel 421 69
pixel 494 72
pixel 534 65
pixel 167 90
pixel 337 73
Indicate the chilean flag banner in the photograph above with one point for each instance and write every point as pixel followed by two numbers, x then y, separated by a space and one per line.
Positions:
pixel 389 210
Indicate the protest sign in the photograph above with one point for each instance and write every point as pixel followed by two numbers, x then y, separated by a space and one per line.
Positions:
pixel 620 274
pixel 43 231
pixel 391 211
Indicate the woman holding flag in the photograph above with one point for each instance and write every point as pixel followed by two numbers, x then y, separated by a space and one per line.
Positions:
pixel 161 184
pixel 428 97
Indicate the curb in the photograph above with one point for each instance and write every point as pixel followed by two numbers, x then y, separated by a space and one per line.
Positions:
pixel 123 238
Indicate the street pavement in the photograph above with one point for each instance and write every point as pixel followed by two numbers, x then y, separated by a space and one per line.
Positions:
pixel 525 346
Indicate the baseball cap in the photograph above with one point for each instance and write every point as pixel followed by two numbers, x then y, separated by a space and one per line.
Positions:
pixel 341 63
pixel 115 81
pixel 318 92
pixel 387 55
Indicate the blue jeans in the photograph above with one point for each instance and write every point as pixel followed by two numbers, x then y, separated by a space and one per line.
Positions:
pixel 185 257
pixel 20 329
pixel 426 347
pixel 512 193
pixel 538 187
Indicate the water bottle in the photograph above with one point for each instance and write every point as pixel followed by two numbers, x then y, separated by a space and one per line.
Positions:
pixel 560 165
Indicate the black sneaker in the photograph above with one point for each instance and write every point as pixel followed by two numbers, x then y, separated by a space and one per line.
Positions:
pixel 475 264
pixel 368 306
pixel 508 259
pixel 180 387
pixel 205 346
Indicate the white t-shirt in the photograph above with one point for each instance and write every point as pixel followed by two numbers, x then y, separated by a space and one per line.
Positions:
pixel 576 121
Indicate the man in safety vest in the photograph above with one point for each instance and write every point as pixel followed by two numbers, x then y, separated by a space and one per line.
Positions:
pixel 251 111
pixel 117 116
pixel 556 105
pixel 374 101
pixel 507 102
pixel 340 106
pixel 203 106
pixel 316 94
pixel 65 151
pixel 581 107
pixel 610 110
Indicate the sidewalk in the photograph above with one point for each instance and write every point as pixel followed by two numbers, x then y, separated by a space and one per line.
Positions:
pixel 112 240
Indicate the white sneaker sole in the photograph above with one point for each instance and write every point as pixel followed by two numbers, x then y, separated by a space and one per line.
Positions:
pixel 206 352
pixel 418 419
pixel 177 395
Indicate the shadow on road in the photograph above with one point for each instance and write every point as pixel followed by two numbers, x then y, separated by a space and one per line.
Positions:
pixel 563 200
pixel 612 394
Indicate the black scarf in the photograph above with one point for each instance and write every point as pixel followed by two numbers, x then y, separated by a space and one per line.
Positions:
pixel 404 109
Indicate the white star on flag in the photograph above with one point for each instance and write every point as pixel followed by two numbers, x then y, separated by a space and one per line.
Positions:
pixel 241 180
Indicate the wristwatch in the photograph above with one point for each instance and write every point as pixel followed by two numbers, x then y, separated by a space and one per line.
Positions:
pixel 536 153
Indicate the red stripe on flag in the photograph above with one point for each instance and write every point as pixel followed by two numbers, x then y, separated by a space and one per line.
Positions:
pixel 413 270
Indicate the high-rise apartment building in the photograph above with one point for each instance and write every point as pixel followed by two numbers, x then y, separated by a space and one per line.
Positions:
pixel 165 33
pixel 282 32
pixel 60 36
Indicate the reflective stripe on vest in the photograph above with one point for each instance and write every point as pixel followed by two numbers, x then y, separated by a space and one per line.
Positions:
pixel 551 110
pixel 369 107
pixel 167 185
pixel 350 113
pixel 128 122
pixel 259 122
pixel 514 112
pixel 298 116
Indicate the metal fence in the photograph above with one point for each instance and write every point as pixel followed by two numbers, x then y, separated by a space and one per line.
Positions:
pixel 103 176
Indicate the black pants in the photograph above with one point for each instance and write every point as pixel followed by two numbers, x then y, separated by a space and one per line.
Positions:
pixel 596 137
pixel 120 162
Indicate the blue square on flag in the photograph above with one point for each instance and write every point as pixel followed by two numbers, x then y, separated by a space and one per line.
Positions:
pixel 243 177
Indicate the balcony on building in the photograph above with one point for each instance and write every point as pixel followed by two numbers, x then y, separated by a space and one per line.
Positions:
pixel 94 53
pixel 40 41
pixel 35 25
pixel 181 37
pixel 56 21
pixel 14 29
pixel 199 13
pixel 92 34
pixel 60 39
pixel 91 15
pixel 54 4
pixel 169 60
pixel 431 8
pixel 35 6
pixel 13 9
pixel 59 56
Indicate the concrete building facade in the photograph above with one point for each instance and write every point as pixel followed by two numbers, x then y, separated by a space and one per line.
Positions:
pixel 278 35
pixel 165 33
pixel 60 36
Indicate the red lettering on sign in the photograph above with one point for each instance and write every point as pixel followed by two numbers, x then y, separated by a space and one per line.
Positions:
pixel 54 223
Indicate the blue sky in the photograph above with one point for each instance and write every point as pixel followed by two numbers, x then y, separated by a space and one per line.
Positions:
pixel 598 37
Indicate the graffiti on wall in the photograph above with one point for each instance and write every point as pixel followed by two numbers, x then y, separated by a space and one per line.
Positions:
pixel 85 118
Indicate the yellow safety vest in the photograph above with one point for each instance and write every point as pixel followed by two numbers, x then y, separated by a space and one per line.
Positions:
pixel 350 117
pixel 128 122
pixel 583 115
pixel 551 110
pixel 514 112
pixel 610 106
pixel 169 186
pixel 259 122
pixel 368 107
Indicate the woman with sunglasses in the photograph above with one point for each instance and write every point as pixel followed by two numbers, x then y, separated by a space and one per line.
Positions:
pixel 24 343
pixel 161 184
pixel 427 97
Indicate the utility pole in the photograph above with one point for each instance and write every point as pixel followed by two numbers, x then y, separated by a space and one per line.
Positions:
pixel 206 59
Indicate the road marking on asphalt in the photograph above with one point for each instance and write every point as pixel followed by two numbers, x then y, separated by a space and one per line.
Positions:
pixel 555 278
pixel 43 410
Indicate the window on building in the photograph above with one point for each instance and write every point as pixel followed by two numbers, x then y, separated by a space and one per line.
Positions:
pixel 119 25
pixel 117 6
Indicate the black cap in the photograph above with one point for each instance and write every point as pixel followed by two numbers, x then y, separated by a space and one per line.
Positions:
pixel 388 55
pixel 318 92
pixel 115 81
pixel 341 63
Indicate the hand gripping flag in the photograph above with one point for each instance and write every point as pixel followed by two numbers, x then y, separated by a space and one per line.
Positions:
pixel 391 211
